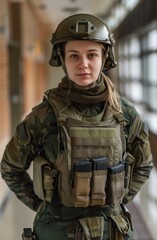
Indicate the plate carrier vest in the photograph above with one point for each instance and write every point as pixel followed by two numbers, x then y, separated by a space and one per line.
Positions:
pixel 89 170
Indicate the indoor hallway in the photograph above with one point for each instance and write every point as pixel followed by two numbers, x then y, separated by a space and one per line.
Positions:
pixel 26 28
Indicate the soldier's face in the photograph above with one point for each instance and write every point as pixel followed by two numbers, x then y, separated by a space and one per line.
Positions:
pixel 83 60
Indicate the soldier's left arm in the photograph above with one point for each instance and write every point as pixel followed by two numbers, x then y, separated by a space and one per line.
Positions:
pixel 138 146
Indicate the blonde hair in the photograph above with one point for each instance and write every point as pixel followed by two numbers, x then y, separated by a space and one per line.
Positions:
pixel 112 96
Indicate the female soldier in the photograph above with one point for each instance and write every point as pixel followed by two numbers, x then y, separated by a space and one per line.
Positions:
pixel 89 147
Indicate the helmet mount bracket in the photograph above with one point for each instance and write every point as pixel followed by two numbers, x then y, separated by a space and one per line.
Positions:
pixel 82 28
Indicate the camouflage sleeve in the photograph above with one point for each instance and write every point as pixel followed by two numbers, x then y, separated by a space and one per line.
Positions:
pixel 138 146
pixel 17 157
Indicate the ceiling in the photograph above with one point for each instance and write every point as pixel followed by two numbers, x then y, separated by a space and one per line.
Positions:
pixel 54 11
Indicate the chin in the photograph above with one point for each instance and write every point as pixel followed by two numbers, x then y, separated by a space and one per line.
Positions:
pixel 84 83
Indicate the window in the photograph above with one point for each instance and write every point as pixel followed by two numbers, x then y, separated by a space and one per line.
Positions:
pixel 149 68
pixel 138 73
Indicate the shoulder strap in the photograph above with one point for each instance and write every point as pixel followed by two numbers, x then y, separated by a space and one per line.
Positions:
pixel 59 105
pixel 120 118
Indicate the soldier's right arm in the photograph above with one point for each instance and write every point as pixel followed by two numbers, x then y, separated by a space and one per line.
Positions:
pixel 24 146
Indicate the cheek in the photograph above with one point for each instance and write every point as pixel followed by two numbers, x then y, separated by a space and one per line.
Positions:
pixel 70 65
pixel 70 69
pixel 98 65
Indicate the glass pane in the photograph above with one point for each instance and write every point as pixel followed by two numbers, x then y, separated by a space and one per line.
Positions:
pixel 134 47
pixel 123 49
pixel 152 68
pixel 152 97
pixel 135 68
pixel 152 40
pixel 136 91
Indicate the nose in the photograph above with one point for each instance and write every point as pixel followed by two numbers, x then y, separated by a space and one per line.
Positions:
pixel 83 62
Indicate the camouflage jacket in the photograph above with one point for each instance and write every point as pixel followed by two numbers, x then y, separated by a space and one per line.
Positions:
pixel 38 134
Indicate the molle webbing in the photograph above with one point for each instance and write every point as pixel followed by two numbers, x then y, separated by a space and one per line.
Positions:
pixel 90 142
pixel 86 139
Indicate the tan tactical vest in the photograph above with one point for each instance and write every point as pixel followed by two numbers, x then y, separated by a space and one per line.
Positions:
pixel 90 166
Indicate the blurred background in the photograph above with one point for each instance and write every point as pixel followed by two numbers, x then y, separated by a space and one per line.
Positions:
pixel 25 32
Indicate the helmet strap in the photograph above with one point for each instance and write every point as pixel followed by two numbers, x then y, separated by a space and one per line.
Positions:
pixel 105 56
pixel 63 62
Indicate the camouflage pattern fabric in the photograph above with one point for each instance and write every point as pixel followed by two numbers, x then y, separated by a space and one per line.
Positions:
pixel 38 135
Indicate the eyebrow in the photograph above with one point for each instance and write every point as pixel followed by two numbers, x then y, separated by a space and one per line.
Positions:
pixel 90 50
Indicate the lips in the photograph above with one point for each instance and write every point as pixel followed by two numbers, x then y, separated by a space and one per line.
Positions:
pixel 83 74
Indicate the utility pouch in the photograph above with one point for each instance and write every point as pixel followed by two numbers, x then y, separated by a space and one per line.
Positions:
pixel 81 183
pixel 42 179
pixel 28 234
pixel 90 228
pixel 115 184
pixel 48 183
pixel 98 195
pixel 119 227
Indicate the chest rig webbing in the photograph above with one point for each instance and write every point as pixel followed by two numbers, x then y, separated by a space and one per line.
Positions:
pixel 89 162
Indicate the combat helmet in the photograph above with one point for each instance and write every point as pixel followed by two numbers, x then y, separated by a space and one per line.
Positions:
pixel 82 27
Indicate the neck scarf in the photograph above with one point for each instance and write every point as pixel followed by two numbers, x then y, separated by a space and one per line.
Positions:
pixel 91 94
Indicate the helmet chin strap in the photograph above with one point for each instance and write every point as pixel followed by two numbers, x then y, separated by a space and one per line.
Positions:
pixel 105 56
pixel 63 63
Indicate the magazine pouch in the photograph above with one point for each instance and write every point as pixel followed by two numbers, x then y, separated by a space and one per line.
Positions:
pixel 81 183
pixel 98 194
pixel 115 184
